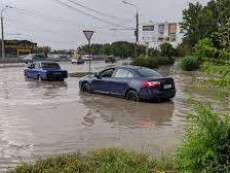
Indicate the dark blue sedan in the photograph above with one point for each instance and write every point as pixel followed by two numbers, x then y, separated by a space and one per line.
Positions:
pixel 45 71
pixel 130 82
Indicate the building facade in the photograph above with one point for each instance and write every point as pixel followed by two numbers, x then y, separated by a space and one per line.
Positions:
pixel 18 47
pixel 155 34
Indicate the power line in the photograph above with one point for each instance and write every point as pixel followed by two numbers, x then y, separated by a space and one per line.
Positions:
pixel 51 31
pixel 98 12
pixel 33 13
pixel 48 18
pixel 88 14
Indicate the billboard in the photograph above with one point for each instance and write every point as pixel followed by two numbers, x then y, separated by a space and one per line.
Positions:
pixel 161 28
pixel 148 28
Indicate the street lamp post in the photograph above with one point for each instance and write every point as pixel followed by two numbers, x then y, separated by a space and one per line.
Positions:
pixel 136 32
pixel 137 19
pixel 2 27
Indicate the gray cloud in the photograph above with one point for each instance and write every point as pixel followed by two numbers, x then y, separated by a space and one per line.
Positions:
pixel 49 23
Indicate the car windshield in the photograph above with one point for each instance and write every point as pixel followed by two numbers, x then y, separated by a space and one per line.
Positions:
pixel 144 72
pixel 50 65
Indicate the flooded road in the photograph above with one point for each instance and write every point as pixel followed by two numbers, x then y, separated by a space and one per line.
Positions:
pixel 44 118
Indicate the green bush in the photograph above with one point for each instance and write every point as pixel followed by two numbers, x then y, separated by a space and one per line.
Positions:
pixel 205 49
pixel 183 49
pixel 167 50
pixel 145 62
pixel 190 63
pixel 152 52
pixel 152 62
pixel 219 74
pixel 206 147
pixel 224 55
pixel 165 60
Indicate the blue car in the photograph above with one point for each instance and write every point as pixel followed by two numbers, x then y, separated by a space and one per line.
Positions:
pixel 45 71
pixel 130 82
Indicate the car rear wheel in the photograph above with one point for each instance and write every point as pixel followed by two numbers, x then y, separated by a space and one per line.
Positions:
pixel 132 96
pixel 40 78
pixel 85 88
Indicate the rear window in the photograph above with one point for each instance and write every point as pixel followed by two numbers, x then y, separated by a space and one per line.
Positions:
pixel 50 65
pixel 144 72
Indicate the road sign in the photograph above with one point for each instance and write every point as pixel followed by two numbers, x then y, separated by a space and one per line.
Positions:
pixel 88 34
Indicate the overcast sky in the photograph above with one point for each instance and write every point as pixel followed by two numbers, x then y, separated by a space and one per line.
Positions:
pixel 50 23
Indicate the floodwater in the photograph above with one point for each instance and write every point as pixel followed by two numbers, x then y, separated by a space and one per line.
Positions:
pixel 44 118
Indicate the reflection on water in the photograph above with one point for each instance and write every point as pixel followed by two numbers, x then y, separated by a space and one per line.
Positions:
pixel 41 118
pixel 48 90
pixel 53 85
pixel 120 112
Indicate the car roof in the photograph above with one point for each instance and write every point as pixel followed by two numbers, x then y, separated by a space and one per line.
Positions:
pixel 125 67
pixel 131 67
pixel 41 62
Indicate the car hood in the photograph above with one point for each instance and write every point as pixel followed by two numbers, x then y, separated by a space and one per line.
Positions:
pixel 88 76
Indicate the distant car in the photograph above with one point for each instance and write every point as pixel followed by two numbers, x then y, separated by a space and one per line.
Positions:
pixel 33 57
pixel 78 61
pixel 110 59
pixel 28 59
pixel 130 82
pixel 45 71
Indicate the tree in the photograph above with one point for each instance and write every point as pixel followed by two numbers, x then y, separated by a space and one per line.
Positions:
pixel 205 49
pixel 223 36
pixel 107 49
pixel 43 50
pixel 191 23
pixel 201 22
pixel 167 50
pixel 121 49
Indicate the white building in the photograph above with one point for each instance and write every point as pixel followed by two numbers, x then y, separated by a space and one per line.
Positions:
pixel 155 34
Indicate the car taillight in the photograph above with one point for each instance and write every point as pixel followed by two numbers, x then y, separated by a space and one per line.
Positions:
pixel 153 84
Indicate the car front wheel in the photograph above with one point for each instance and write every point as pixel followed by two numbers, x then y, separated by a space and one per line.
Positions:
pixel 132 96
pixel 85 88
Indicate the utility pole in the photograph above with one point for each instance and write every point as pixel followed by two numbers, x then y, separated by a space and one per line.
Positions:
pixel 137 27
pixel 2 28
pixel 3 44
pixel 136 32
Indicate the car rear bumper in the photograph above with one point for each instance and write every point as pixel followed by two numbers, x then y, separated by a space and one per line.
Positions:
pixel 153 94
pixel 56 76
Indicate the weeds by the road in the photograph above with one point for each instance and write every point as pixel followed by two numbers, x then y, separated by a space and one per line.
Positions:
pixel 99 161
pixel 219 74
pixel 216 78
pixel 206 147
pixel 190 63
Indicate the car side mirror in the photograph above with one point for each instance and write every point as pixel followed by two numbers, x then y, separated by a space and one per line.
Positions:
pixel 97 75
pixel 31 66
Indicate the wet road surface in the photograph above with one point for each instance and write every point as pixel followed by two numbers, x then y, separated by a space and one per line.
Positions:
pixel 43 118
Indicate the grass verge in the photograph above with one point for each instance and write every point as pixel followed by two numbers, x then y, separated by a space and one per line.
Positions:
pixel 100 161
pixel 206 147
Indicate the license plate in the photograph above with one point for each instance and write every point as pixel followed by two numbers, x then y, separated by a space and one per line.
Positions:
pixel 168 86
